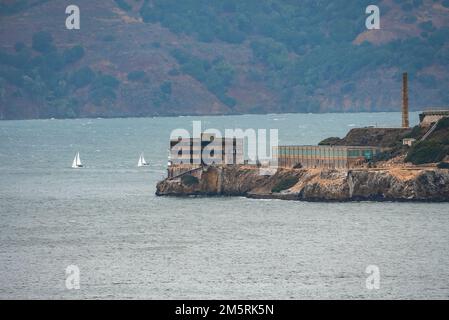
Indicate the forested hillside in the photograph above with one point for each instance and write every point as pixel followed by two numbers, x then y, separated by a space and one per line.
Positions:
pixel 178 57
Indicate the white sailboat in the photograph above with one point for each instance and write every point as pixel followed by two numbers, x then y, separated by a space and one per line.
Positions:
pixel 142 162
pixel 77 162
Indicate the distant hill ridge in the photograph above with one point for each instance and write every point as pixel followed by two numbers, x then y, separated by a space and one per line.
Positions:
pixel 192 57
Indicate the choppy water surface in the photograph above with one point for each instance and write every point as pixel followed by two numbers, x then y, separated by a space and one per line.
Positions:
pixel 128 243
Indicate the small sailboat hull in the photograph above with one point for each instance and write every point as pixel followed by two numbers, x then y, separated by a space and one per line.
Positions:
pixel 143 164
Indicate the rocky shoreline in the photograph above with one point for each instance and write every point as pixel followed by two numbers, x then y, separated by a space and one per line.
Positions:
pixel 386 184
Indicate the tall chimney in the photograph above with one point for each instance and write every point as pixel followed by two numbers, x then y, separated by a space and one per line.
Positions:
pixel 405 122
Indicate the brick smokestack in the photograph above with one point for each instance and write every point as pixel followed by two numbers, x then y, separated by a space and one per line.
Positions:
pixel 405 121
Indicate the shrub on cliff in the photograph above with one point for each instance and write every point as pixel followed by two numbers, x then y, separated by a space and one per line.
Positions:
pixel 442 124
pixel 417 133
pixel 383 156
pixel 330 141
pixel 297 166
pixel 443 165
pixel 426 152
pixel 389 153
pixel 189 180
pixel 285 184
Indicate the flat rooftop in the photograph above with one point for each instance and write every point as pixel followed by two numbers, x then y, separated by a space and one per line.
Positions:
pixel 436 111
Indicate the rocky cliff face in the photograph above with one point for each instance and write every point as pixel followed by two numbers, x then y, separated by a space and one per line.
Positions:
pixel 318 185
pixel 229 181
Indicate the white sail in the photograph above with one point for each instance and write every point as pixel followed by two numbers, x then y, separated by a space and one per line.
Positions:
pixel 74 162
pixel 78 160
pixel 143 161
pixel 140 163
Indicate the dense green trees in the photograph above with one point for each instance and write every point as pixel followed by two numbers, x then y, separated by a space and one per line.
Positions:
pixel 103 89
pixel 42 76
pixel 296 48
pixel 138 75
pixel 216 75
pixel 12 7
pixel 235 21
pixel 166 88
pixel 307 43
pixel 82 77
pixel 73 54
pixel 43 42
pixel 271 53
pixel 123 5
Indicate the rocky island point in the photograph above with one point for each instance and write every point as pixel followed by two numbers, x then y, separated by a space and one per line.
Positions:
pixel 369 164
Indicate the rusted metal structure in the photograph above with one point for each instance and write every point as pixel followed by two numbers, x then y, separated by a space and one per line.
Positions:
pixel 405 118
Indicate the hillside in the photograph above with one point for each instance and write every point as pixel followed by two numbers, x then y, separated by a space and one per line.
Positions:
pixel 434 149
pixel 171 57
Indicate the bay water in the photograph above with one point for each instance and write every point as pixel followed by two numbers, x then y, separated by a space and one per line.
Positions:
pixel 129 244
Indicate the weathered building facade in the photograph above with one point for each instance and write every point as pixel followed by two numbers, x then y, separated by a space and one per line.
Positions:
pixel 188 154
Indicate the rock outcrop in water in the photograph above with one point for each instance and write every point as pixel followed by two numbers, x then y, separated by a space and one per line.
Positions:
pixel 395 184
